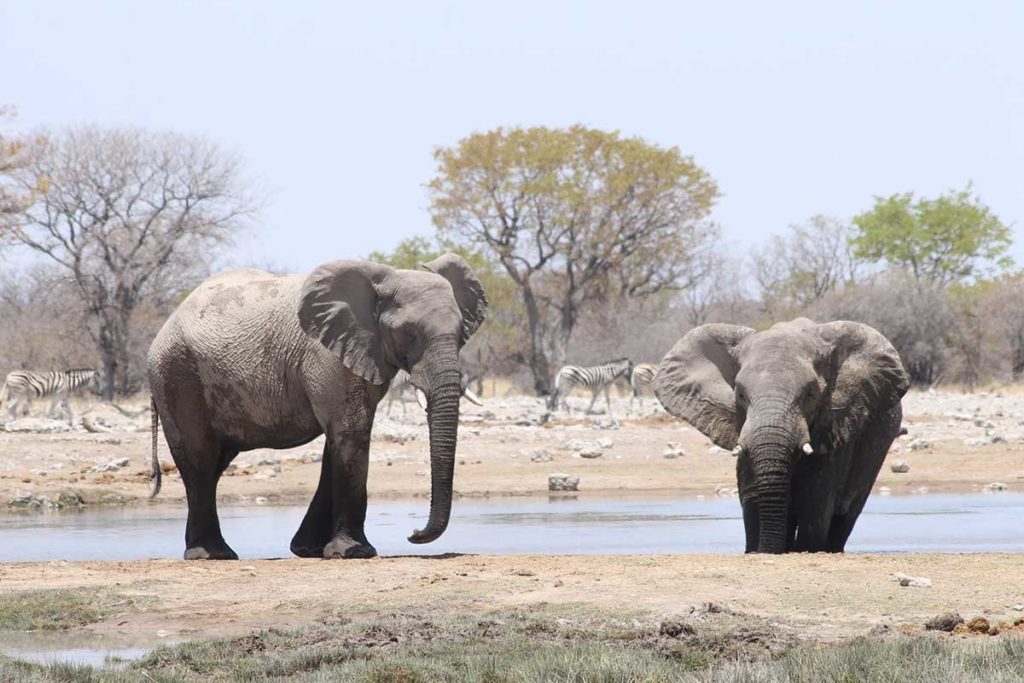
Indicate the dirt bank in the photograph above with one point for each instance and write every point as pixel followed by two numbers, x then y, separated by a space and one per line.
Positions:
pixel 956 442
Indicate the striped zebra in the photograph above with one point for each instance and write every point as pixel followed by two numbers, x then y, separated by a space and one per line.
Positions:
pixel 597 378
pixel 642 377
pixel 23 386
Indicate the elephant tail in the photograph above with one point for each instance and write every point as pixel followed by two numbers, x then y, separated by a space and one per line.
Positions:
pixel 155 475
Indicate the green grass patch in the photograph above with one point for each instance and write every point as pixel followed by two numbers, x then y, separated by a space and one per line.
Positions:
pixel 59 609
pixel 538 647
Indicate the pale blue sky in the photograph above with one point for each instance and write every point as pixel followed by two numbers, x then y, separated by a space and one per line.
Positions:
pixel 794 108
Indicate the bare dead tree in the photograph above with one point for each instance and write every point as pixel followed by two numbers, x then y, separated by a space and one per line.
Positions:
pixel 800 268
pixel 127 214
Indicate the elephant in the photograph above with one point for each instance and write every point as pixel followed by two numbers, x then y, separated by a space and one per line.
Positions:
pixel 253 360
pixel 810 410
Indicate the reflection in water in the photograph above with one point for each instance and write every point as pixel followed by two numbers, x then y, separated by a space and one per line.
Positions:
pixel 969 523
pixel 77 648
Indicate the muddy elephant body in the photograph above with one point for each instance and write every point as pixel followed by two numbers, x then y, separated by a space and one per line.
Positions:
pixel 252 360
pixel 810 410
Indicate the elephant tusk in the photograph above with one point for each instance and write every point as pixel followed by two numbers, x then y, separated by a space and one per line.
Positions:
pixel 737 451
pixel 807 449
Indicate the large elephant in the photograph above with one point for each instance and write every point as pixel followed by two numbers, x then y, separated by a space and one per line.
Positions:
pixel 253 360
pixel 809 409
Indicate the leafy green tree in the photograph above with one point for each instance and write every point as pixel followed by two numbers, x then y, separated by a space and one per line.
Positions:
pixel 940 241
pixel 572 216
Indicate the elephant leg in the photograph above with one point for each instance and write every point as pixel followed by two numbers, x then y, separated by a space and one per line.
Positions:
pixel 316 529
pixel 842 526
pixel 868 457
pixel 333 524
pixel 751 524
pixel 200 466
pixel 350 458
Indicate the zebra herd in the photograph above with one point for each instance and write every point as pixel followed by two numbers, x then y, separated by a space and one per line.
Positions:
pixel 23 386
pixel 600 378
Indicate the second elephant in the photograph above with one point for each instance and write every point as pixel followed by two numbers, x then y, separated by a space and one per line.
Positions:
pixel 809 409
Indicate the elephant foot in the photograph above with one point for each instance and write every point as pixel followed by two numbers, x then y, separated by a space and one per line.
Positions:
pixel 346 548
pixel 212 552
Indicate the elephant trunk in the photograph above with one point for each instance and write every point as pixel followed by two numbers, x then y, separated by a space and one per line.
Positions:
pixel 440 375
pixel 771 442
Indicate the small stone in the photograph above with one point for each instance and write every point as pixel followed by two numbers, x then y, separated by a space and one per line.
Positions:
pixel 563 482
pixel 269 462
pixel 912 581
pixel 1018 608
pixel 717 450
pixel 312 456
pixel 900 466
pixel 673 450
pixel 947 621
pixel 591 452
pixel 112 466
pixel 540 455
pixel 605 443
pixel 994 486
pixel 919 445
pixel 884 491
pixel 260 500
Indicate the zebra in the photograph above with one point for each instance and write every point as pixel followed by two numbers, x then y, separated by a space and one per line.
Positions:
pixel 643 376
pixel 597 378
pixel 402 386
pixel 22 386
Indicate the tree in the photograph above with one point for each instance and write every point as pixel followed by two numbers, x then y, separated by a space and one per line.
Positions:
pixel 1002 306
pixel 127 215
pixel 939 241
pixel 572 215
pixel 798 269
pixel 15 154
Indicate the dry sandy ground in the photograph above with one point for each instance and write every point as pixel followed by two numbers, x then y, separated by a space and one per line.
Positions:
pixel 819 597
pixel 956 442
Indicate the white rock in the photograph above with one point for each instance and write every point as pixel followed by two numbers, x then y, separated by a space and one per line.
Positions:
pixel 112 466
pixel 673 450
pixel 994 486
pixel 900 466
pixel 605 442
pixel 591 452
pixel 38 425
pixel 919 445
pixel 260 500
pixel 912 581
pixel 540 455
pixel 715 450
pixel 268 461
pixel 563 482
pixel 884 490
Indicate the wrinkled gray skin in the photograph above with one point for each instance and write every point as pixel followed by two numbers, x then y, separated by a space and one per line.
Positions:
pixel 253 360
pixel 836 386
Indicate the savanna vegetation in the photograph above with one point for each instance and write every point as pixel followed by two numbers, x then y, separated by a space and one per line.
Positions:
pixel 590 244
pixel 516 646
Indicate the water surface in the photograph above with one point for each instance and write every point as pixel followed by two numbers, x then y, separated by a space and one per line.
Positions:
pixel 916 523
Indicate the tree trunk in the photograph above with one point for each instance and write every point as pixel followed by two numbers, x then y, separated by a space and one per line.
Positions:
pixel 109 357
pixel 539 363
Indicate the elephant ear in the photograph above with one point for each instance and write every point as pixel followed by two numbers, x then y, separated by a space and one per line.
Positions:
pixel 695 380
pixel 867 378
pixel 469 293
pixel 339 306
